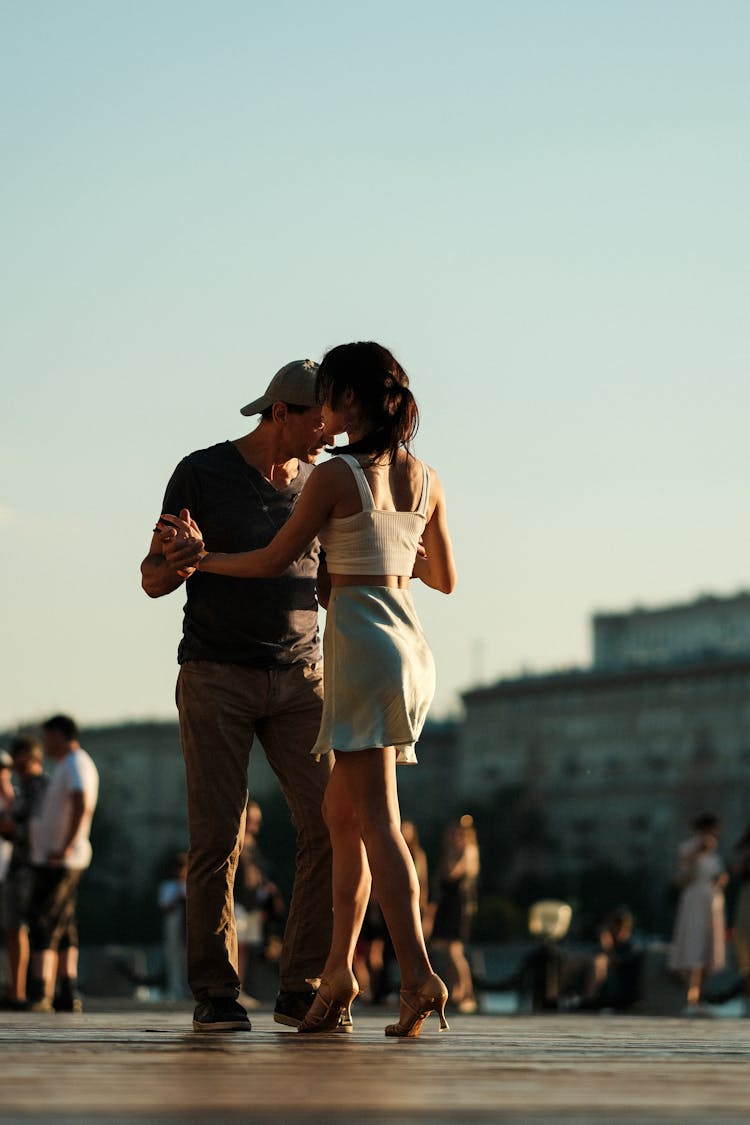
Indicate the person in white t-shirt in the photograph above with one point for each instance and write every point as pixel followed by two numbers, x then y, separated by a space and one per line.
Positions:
pixel 60 853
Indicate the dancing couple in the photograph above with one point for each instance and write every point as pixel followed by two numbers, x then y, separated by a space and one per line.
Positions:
pixel 379 513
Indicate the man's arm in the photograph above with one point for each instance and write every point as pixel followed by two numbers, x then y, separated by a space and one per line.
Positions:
pixel 165 567
pixel 157 576
pixel 77 809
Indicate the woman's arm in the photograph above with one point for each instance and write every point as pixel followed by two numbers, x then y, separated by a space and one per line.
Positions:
pixel 313 507
pixel 436 567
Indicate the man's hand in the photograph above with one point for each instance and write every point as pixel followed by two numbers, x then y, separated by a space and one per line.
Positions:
pixel 181 541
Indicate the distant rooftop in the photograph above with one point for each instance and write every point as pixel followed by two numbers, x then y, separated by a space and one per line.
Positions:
pixel 708 627
pixel 689 637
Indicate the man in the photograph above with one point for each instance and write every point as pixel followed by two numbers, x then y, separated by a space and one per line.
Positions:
pixel 60 853
pixel 249 664
pixel 27 757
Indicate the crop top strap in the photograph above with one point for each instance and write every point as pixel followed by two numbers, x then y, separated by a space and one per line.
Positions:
pixel 365 492
pixel 425 497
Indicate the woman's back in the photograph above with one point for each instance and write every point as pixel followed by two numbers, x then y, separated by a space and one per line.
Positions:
pixel 376 524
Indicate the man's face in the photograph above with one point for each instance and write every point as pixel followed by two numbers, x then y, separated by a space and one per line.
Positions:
pixel 321 441
pixel 304 432
pixel 55 745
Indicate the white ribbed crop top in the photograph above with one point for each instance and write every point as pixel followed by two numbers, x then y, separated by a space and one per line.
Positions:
pixel 374 541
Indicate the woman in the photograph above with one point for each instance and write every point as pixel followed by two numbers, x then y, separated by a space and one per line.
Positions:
pixel 698 940
pixel 370 505
pixel 458 874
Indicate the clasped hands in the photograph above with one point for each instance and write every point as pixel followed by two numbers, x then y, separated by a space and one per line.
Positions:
pixel 181 541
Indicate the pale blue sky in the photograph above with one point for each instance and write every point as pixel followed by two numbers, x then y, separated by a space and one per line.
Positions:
pixel 541 207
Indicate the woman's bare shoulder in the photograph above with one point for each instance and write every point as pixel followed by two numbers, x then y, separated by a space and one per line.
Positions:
pixel 332 470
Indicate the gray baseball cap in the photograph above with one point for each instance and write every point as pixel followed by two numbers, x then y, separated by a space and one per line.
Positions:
pixel 293 383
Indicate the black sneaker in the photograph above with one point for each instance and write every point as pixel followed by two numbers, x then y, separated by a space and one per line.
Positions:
pixel 292 1007
pixel 10 1004
pixel 68 998
pixel 220 1013
pixel 68 1004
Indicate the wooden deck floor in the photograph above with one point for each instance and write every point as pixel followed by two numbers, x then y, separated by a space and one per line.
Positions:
pixel 149 1066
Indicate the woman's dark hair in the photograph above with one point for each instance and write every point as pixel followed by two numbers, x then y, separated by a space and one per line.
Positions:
pixel 381 386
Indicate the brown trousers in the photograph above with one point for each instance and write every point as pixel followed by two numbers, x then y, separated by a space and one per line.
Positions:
pixel 221 708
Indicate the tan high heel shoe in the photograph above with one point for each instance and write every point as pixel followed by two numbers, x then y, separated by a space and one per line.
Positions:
pixel 334 999
pixel 419 1002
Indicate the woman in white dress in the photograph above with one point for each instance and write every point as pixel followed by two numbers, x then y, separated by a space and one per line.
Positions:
pixel 698 943
pixel 380 515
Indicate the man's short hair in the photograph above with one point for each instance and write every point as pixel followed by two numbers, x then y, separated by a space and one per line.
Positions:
pixel 292 407
pixel 64 725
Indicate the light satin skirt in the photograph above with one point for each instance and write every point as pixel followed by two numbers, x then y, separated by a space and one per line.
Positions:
pixel 378 672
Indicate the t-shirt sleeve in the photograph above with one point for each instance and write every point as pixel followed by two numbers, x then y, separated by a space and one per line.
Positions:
pixel 182 490
pixel 75 777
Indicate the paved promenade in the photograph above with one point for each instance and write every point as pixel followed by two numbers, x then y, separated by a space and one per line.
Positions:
pixel 147 1066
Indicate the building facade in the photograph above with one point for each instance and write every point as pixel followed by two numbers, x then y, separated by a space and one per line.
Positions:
pixel 620 756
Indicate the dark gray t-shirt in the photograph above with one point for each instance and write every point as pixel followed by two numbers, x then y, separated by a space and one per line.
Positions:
pixel 258 622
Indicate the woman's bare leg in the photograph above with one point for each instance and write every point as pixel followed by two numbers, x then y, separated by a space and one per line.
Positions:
pixel 350 873
pixel 369 777
pixel 695 985
pixel 464 986
pixel 18 961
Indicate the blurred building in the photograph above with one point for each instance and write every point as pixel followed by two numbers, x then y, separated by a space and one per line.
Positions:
pixel 709 628
pixel 620 755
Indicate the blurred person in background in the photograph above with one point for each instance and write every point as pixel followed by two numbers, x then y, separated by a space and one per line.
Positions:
pixel 456 906
pixel 171 900
pixel 613 976
pixel 7 798
pixel 31 782
pixel 698 942
pixel 257 904
pixel 60 852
